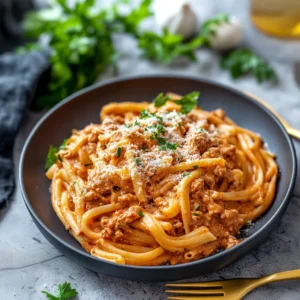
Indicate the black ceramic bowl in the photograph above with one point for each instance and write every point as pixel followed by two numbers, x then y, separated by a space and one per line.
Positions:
pixel 83 108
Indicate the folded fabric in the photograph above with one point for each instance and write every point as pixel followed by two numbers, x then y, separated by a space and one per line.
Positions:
pixel 18 77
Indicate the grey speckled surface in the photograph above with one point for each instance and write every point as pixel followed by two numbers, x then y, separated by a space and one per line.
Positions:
pixel 29 264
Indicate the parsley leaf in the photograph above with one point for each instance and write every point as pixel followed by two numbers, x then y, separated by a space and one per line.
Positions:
pixel 160 100
pixel 131 21
pixel 52 154
pixel 208 28
pixel 201 130
pixel 186 174
pixel 198 207
pixel 138 161
pixel 140 214
pixel 243 61
pixel 51 157
pixel 119 151
pixel 195 214
pixel 188 102
pixel 168 146
pixel 65 292
pixel 64 144
pixel 166 47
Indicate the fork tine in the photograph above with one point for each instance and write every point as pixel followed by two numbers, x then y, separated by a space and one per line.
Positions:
pixel 207 285
pixel 195 298
pixel 214 292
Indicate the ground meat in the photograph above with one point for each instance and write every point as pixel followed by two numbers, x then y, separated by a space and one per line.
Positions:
pixel 212 152
pixel 117 227
pixel 228 150
pixel 127 198
pixel 200 141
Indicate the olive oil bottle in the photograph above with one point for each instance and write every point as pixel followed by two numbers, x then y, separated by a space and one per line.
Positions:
pixel 280 18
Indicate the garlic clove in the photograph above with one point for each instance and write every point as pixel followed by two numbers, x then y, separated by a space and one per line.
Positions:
pixel 227 35
pixel 183 23
pixel 178 18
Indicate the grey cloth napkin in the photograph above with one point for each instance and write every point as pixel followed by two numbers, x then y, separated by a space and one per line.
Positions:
pixel 18 78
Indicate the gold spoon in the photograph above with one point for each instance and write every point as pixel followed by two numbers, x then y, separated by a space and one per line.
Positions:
pixel 291 130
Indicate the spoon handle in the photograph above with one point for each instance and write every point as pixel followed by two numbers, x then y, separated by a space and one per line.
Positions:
pixel 295 133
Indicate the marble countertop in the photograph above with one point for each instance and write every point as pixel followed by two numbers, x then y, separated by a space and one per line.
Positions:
pixel 29 263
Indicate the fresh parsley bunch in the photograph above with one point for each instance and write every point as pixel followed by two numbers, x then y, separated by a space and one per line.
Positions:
pixel 80 39
pixel 243 61
pixel 64 292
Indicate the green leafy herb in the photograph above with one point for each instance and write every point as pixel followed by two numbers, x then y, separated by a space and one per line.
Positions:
pixel 64 144
pixel 80 38
pixel 138 161
pixel 131 22
pixel 198 207
pixel 165 47
pixel 51 157
pixel 195 214
pixel 128 125
pixel 136 123
pixel 209 27
pixel 74 182
pixel 160 100
pixel 168 146
pixel 195 167
pixel 146 114
pixel 64 292
pixel 201 130
pixel 243 61
pixel 188 102
pixel 186 174
pixel 59 158
pixel 119 151
pixel 140 214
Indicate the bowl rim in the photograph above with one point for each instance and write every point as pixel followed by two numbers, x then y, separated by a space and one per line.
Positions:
pixel 87 255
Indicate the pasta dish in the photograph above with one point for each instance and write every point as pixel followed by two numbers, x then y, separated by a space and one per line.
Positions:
pixel 160 183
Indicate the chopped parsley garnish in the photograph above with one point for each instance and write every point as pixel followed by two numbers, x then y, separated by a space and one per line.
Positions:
pixel 195 167
pixel 87 165
pixel 161 100
pixel 64 292
pixel 64 144
pixel 188 102
pixel 52 157
pixel 146 114
pixel 168 146
pixel 128 125
pixel 186 174
pixel 138 161
pixel 119 151
pixel 136 123
pixel 201 130
pixel 140 214
pixel 197 207
pixel 195 214
pixel 74 182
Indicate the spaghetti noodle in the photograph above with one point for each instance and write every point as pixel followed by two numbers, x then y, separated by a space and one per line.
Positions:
pixel 152 185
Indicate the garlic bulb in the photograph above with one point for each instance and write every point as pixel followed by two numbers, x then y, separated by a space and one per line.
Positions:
pixel 178 18
pixel 227 35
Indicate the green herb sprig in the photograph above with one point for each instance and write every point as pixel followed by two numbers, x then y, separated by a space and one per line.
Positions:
pixel 52 154
pixel 187 102
pixel 243 61
pixel 64 292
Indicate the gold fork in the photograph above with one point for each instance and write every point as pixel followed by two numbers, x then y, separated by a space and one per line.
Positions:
pixel 289 128
pixel 233 289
